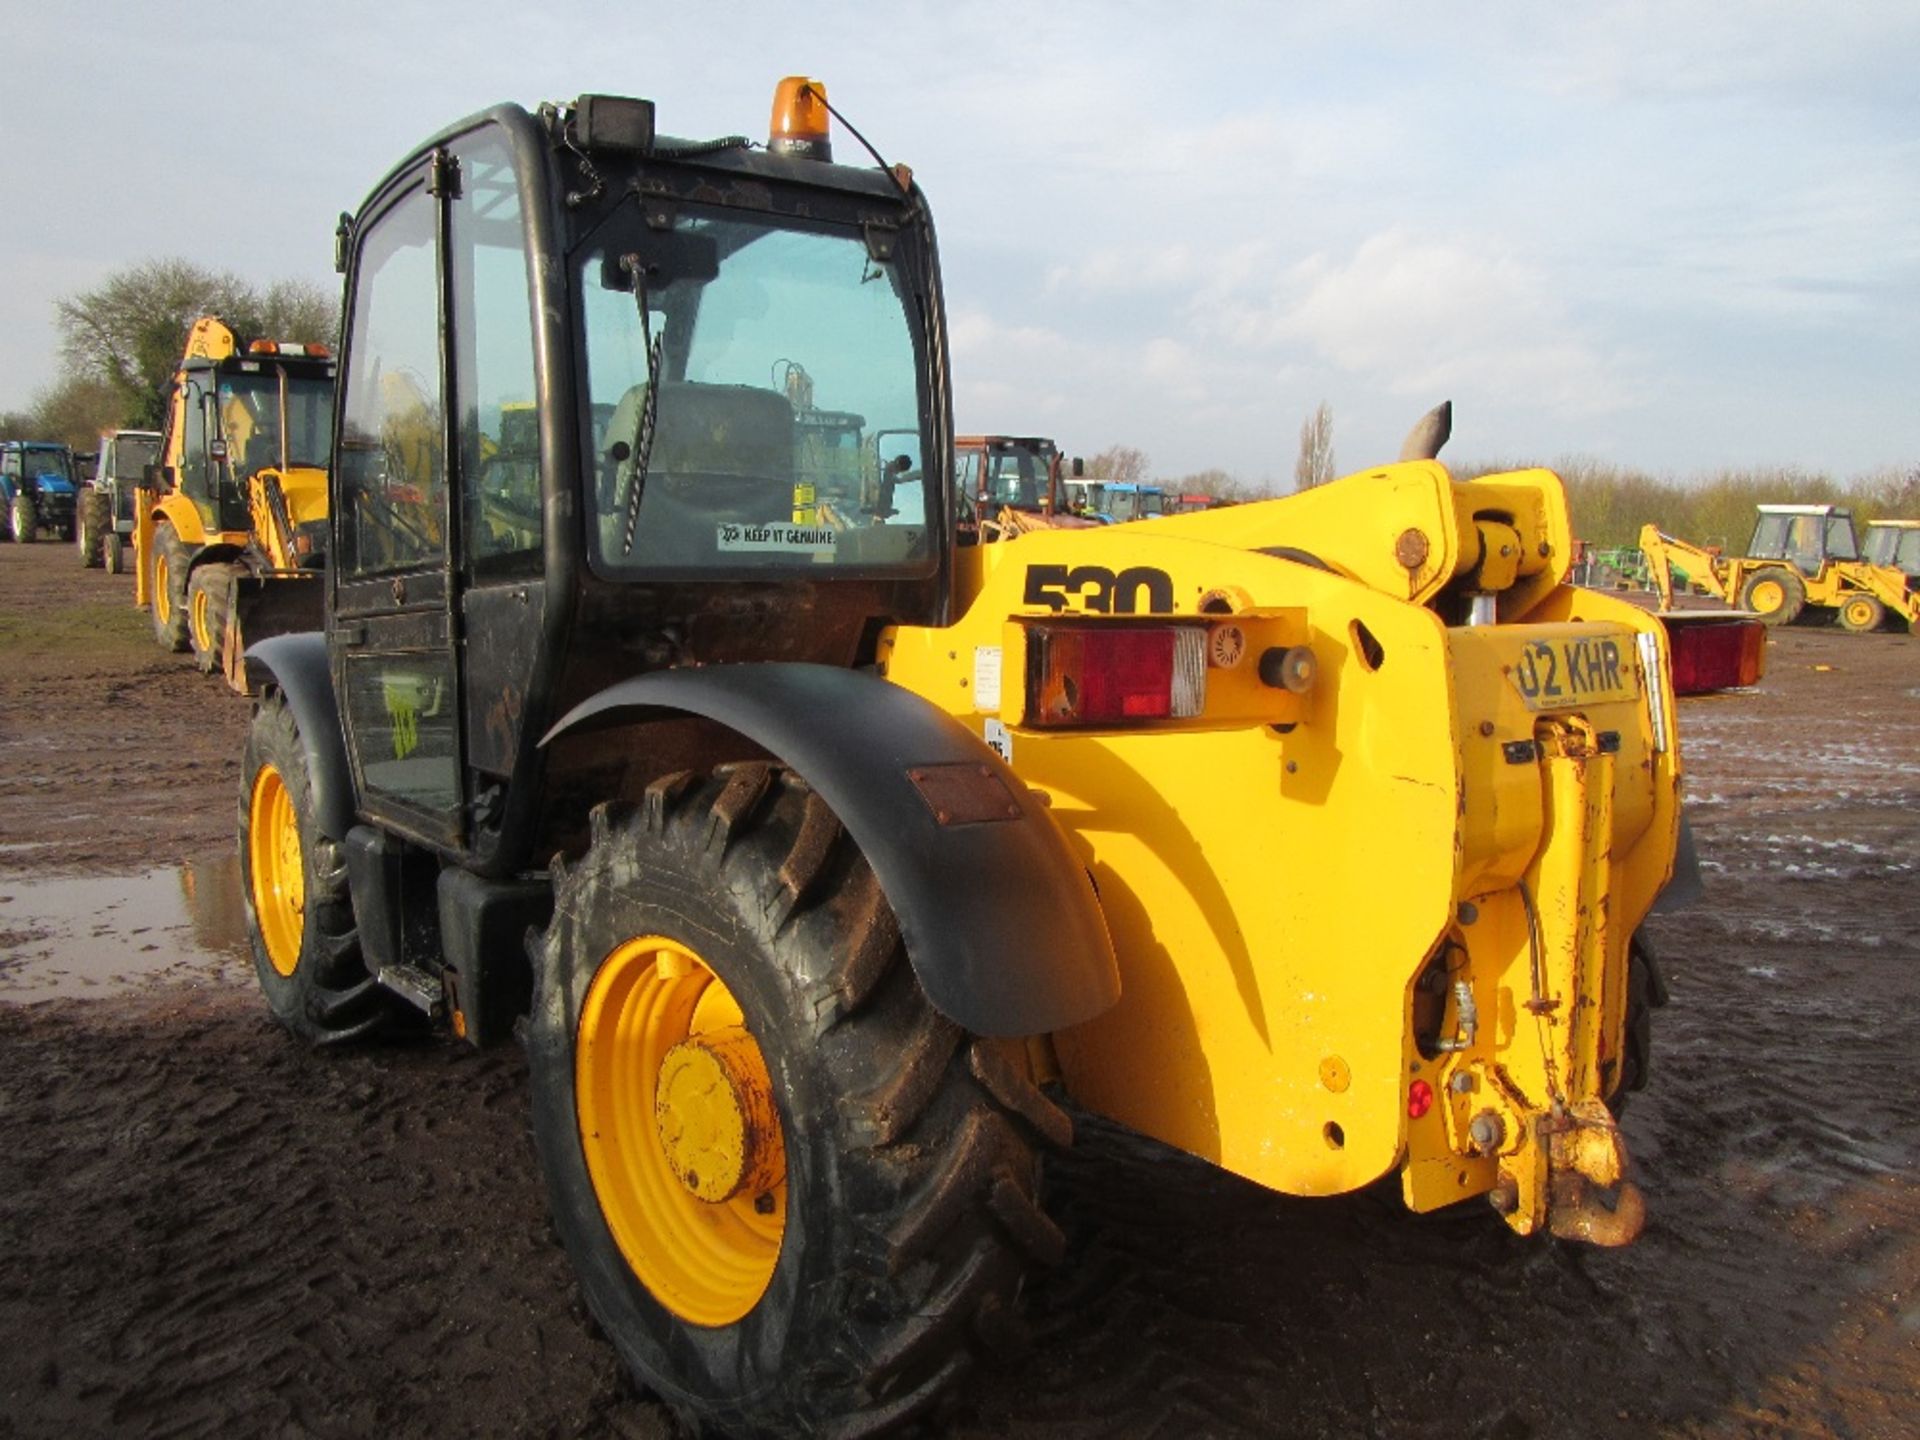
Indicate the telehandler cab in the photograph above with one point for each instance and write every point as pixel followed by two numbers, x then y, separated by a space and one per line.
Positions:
pixel 1310 837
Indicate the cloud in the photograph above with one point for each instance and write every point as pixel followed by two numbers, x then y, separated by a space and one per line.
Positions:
pixel 1417 316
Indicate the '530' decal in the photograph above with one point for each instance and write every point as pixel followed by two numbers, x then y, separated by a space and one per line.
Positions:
pixel 1098 589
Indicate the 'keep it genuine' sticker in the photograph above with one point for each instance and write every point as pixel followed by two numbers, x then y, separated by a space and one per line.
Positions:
pixel 811 539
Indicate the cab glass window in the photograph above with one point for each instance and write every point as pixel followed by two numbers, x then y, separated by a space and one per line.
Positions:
pixel 769 377
pixel 392 457
pixel 499 432
pixel 1841 544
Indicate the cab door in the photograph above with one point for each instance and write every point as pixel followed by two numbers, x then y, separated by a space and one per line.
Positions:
pixel 393 643
pixel 438 518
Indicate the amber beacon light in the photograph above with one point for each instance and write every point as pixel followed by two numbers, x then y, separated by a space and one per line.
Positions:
pixel 800 119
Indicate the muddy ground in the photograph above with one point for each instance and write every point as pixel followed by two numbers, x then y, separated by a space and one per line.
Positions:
pixel 206 1230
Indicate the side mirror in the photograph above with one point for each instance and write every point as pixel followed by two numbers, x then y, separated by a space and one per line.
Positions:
pixel 153 477
pixel 1079 468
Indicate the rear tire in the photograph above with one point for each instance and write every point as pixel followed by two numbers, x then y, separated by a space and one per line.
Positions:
pixel 1861 614
pixel 167 588
pixel 209 603
pixel 23 518
pixel 1775 594
pixel 306 950
pixel 93 517
pixel 906 1213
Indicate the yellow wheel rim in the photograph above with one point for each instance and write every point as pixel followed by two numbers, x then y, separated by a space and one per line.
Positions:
pixel 275 875
pixel 197 617
pixel 1769 596
pixel 677 1124
pixel 162 591
pixel 1859 614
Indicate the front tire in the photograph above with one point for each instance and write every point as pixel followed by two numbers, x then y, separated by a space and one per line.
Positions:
pixel 23 519
pixel 209 604
pixel 114 553
pixel 1862 614
pixel 306 951
pixel 167 588
pixel 1646 992
pixel 840 1257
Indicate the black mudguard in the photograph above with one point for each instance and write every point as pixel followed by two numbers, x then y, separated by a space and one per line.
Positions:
pixel 297 666
pixel 1000 918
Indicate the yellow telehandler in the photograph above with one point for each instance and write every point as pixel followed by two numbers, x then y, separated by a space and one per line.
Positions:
pixel 1801 557
pixel 814 857
pixel 230 530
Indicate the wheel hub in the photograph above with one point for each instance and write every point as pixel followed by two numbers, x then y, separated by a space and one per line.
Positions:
pixel 718 1127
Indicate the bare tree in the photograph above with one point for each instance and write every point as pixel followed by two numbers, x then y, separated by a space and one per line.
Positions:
pixel 1220 484
pixel 78 411
pixel 1315 465
pixel 128 331
pixel 1122 464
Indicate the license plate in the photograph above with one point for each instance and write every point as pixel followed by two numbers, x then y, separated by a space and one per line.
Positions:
pixel 1567 673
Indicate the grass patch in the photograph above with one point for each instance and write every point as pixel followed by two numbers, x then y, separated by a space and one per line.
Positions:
pixel 102 627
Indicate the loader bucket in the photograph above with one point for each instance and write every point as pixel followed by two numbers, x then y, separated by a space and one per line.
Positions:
pixel 264 606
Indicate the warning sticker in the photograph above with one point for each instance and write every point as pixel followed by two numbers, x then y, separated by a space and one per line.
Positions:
pixel 986 677
pixel 999 739
pixel 789 539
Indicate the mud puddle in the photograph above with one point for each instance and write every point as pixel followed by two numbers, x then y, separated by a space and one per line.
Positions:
pixel 103 935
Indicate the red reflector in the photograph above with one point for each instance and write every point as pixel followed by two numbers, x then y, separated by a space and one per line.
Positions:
pixel 1419 1098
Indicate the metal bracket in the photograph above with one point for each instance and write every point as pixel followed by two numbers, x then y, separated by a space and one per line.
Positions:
pixel 443 174
pixel 880 239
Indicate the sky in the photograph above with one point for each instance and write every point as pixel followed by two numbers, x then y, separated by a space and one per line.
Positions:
pixel 1678 236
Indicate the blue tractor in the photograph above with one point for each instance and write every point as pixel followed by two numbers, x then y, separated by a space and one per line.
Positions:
pixel 37 490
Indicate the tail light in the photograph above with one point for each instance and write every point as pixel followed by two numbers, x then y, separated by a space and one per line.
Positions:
pixel 1106 675
pixel 1716 654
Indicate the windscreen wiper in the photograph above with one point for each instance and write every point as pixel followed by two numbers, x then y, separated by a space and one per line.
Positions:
pixel 642 449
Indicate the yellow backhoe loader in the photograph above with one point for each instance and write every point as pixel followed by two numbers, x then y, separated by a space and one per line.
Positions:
pixel 230 530
pixel 1895 544
pixel 1802 558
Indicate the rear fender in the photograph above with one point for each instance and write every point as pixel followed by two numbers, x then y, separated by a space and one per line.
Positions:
pixel 296 665
pixel 1000 919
